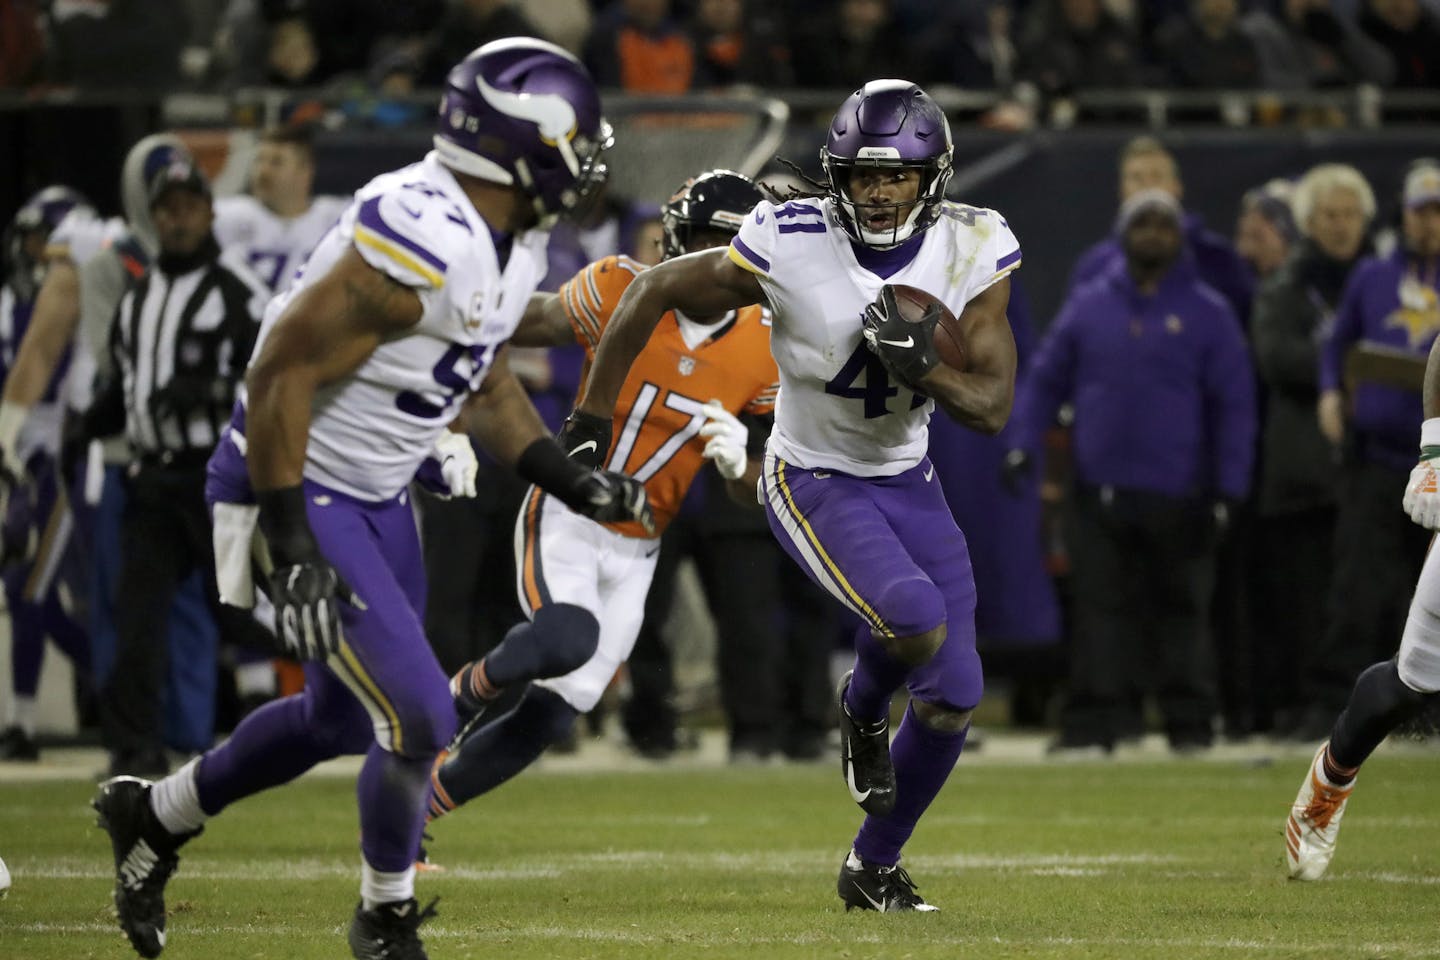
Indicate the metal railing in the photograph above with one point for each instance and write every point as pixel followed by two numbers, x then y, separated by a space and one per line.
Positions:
pixel 1364 107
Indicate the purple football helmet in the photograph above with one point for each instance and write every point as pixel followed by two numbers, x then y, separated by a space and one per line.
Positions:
pixel 888 123
pixel 40 214
pixel 525 112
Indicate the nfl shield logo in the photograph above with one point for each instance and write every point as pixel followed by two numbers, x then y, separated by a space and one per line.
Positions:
pixel 687 366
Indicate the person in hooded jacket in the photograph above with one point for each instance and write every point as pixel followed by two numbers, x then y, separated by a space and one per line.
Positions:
pixel 1296 496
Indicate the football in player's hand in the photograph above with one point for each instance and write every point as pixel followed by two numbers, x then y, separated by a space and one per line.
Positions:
pixel 948 337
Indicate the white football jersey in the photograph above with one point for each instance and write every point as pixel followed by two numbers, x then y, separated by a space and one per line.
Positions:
pixel 80 235
pixel 838 408
pixel 273 247
pixel 369 432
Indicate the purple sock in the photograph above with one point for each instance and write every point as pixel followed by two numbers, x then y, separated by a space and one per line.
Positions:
pixel 877 676
pixel 394 794
pixel 923 759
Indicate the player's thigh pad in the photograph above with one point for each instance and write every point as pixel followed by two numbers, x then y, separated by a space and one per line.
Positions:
pixel 556 555
pixel 1419 659
pixel 832 525
pixel 579 558
pixel 386 660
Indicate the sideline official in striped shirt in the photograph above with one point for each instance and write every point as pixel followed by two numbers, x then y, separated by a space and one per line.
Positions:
pixel 181 339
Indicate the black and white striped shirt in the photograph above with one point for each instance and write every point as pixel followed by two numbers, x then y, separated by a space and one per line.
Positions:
pixel 181 344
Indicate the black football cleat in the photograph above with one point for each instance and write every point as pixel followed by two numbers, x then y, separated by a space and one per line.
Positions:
pixel 390 931
pixel 145 857
pixel 865 759
pixel 866 886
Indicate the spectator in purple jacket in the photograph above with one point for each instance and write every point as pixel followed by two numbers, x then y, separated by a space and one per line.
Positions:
pixel 1146 164
pixel 1390 301
pixel 1157 371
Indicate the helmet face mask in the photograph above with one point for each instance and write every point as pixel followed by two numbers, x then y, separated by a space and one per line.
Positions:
pixel 715 202
pixel 524 113
pixel 888 124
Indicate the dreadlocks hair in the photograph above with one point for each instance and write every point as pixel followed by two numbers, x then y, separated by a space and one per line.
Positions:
pixel 822 188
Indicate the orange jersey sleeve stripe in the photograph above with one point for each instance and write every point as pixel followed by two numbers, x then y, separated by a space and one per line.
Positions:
pixel 582 319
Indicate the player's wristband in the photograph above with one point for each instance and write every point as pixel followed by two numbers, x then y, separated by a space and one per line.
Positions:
pixel 545 464
pixel 1430 438
pixel 285 526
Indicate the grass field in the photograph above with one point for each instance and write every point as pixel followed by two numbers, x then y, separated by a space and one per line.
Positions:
pixel 1163 859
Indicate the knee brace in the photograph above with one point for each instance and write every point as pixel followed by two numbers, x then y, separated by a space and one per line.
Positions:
pixel 565 636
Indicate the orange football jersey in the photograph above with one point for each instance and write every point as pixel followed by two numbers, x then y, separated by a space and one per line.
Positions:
pixel 657 416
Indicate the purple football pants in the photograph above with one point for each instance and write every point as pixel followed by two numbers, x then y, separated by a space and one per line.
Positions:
pixel 888 548
pixel 384 695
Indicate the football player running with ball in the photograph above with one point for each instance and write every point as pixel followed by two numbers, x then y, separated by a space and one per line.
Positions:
pixel 582 585
pixel 395 325
pixel 846 482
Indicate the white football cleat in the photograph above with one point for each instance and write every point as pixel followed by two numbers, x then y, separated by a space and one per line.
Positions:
pixel 1314 822
pixel 4 880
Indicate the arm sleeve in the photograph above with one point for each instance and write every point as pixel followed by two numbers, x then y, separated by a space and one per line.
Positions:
pixel 590 297
pixel 1345 333
pixel 753 248
pixel 1230 407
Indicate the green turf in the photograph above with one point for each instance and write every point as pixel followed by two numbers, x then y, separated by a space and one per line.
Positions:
pixel 1136 861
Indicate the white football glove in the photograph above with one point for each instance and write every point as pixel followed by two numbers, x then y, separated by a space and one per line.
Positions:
pixel 457 463
pixel 727 440
pixel 1422 493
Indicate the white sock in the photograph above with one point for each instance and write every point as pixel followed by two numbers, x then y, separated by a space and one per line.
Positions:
pixel 176 801
pixel 255 678
pixel 22 712
pixel 377 887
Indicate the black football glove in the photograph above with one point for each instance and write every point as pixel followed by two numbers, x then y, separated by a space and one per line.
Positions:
pixel 906 349
pixel 306 595
pixel 305 589
pixel 585 438
pixel 608 497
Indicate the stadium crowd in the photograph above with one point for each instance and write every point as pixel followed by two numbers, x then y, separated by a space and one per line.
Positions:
pixel 1033 49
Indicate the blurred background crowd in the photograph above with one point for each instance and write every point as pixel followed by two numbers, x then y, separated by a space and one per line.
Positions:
pixel 1191 525
pixel 1031 49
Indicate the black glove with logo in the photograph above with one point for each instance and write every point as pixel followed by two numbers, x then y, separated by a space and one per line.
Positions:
pixel 305 589
pixel 585 438
pixel 906 348
pixel 602 495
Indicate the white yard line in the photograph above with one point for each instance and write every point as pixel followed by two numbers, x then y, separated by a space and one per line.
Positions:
pixel 842 936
